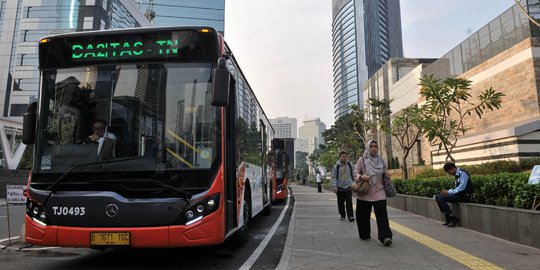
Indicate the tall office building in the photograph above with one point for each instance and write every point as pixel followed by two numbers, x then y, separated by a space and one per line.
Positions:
pixel 365 34
pixel 22 23
pixel 311 133
pixel 185 12
pixel 285 127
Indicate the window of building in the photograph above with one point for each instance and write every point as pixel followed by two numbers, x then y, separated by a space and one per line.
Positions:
pixel 17 109
pixel 88 23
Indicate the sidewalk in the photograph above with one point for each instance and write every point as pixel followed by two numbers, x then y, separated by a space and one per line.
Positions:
pixel 317 239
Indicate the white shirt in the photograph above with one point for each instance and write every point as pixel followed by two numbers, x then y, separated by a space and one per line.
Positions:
pixel 319 178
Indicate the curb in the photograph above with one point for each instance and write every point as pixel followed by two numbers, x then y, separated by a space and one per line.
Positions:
pixel 288 248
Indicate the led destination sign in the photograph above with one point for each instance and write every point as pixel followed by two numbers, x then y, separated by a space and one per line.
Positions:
pixel 135 46
pixel 115 49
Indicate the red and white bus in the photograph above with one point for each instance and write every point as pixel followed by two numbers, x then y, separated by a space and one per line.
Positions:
pixel 282 160
pixel 180 158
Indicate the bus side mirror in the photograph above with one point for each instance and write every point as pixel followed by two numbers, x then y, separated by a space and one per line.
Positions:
pixel 222 81
pixel 29 124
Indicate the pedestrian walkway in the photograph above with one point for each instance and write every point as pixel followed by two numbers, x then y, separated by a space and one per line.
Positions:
pixel 317 239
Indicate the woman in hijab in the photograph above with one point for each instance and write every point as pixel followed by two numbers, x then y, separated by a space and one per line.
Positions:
pixel 370 168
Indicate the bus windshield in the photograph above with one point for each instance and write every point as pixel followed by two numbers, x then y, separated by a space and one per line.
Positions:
pixel 155 116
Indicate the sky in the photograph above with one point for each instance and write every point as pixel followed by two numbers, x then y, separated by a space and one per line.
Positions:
pixel 284 46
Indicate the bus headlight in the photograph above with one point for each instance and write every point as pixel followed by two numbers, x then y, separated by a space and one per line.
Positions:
pixel 37 212
pixel 210 204
pixel 198 209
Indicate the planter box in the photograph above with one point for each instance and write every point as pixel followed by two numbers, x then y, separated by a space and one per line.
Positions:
pixel 512 224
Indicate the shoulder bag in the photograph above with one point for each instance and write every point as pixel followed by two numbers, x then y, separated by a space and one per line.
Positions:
pixel 361 187
pixel 389 187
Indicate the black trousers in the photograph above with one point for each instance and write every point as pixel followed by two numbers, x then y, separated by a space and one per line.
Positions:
pixel 444 199
pixel 345 198
pixel 363 214
pixel 319 187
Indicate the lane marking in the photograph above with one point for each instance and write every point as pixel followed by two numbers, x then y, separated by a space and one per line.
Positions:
pixel 6 239
pixel 36 249
pixel 451 252
pixel 255 255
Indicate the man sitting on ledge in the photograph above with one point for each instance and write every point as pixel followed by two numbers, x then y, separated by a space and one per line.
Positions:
pixel 461 192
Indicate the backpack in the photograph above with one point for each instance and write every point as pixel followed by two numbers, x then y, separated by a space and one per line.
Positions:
pixel 337 171
pixel 469 188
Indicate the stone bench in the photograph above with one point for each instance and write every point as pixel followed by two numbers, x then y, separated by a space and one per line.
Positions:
pixel 517 225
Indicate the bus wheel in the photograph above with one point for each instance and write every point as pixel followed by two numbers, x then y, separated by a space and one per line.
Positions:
pixel 240 238
pixel 266 211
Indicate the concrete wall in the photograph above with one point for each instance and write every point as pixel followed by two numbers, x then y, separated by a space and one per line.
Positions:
pixel 516 225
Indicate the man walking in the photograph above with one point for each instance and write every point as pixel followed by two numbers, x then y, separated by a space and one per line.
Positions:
pixel 342 177
pixel 319 182
pixel 461 192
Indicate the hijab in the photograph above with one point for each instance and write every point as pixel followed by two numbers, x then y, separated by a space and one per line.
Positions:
pixel 374 163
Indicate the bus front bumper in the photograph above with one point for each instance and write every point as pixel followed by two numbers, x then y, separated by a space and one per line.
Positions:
pixel 208 231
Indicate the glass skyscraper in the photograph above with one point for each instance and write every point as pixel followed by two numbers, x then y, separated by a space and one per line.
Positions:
pixel 185 12
pixel 365 34
pixel 22 24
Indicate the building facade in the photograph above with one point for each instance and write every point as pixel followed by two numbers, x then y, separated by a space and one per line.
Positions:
pixel 398 81
pixel 365 34
pixel 22 24
pixel 185 12
pixel 504 55
pixel 285 127
pixel 311 134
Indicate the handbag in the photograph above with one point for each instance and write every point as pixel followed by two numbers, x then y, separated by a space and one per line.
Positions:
pixel 389 187
pixel 360 187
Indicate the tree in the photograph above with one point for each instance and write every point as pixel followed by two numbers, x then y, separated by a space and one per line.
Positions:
pixel 447 105
pixel 342 137
pixel 375 117
pixel 301 169
pixel 406 128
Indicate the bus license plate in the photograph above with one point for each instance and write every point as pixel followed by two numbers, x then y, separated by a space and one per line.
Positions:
pixel 109 239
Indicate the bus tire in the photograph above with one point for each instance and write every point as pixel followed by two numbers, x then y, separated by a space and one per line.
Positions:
pixel 267 210
pixel 240 238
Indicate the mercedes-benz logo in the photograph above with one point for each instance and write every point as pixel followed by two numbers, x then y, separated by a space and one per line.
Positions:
pixel 111 210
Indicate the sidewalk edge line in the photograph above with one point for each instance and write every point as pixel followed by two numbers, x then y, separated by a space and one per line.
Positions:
pixel 258 251
pixel 289 242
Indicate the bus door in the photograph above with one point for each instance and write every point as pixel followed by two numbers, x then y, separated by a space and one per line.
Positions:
pixel 264 164
pixel 230 161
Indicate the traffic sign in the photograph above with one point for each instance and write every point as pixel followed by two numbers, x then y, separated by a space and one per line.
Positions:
pixel 15 194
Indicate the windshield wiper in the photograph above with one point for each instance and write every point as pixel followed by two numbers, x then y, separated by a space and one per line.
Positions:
pixel 176 190
pixel 53 186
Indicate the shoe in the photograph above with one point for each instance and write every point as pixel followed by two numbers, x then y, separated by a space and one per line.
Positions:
pixel 453 221
pixel 387 242
pixel 351 219
pixel 446 221
pixel 342 218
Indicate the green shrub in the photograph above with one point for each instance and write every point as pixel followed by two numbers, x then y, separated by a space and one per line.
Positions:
pixel 429 172
pixel 500 166
pixel 502 189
